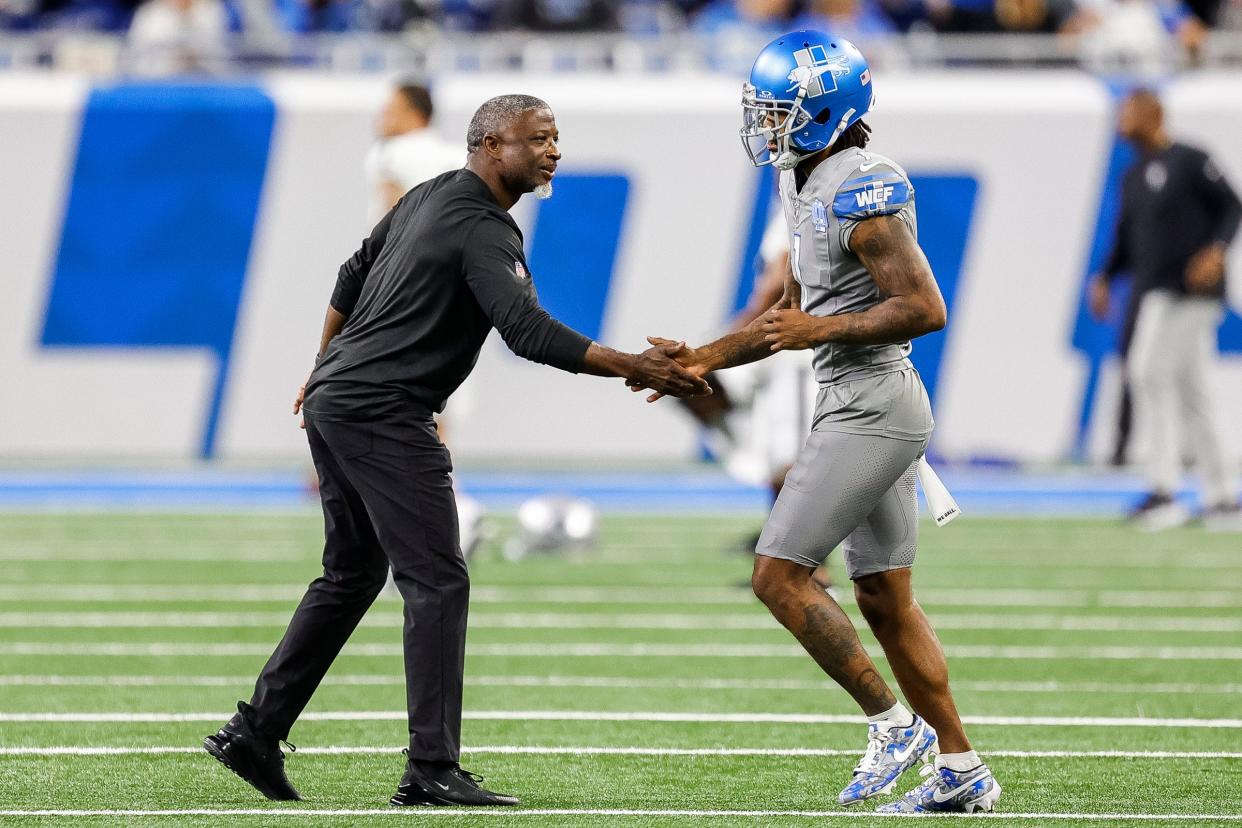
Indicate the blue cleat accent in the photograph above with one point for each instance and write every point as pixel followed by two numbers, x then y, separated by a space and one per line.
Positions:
pixel 949 792
pixel 890 753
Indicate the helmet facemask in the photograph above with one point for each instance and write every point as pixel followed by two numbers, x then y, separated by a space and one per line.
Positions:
pixel 768 121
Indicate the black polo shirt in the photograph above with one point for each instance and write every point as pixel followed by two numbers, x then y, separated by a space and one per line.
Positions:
pixel 1174 203
pixel 442 269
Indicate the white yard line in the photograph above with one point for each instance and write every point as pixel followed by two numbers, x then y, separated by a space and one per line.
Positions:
pixel 220 554
pixel 692 552
pixel 651 595
pixel 596 650
pixel 541 750
pixel 621 682
pixel 509 813
pixel 629 621
pixel 130 717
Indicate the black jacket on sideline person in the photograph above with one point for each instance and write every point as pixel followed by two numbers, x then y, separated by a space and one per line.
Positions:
pixel 437 273
pixel 1173 204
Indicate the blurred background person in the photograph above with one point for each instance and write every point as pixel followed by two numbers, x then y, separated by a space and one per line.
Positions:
pixel 1141 37
pixel 320 16
pixel 1178 217
pixel 557 15
pixel 857 20
pixel 735 28
pixel 407 151
pixel 175 36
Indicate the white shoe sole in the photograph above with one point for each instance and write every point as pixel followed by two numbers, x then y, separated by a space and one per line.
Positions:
pixel 1161 518
pixel 985 803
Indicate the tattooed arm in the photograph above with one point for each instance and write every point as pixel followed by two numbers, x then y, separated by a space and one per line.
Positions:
pixel 910 304
pixel 739 347
pixel 746 344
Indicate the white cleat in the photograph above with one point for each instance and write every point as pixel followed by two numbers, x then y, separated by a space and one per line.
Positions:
pixel 890 753
pixel 944 791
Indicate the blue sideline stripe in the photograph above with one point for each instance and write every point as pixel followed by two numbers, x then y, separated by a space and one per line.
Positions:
pixel 749 264
pixel 978 492
pixel 159 222
pixel 573 250
pixel 946 212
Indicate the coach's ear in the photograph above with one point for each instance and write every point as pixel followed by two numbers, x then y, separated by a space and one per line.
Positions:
pixel 492 145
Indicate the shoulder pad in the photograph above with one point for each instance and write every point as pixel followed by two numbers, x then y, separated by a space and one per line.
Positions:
pixel 876 188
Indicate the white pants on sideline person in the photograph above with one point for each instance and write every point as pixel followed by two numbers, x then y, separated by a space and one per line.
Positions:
pixel 1169 363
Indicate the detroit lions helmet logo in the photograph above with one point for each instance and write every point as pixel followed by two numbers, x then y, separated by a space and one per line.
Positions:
pixel 816 72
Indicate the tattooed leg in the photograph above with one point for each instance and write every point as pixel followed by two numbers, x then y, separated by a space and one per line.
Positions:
pixel 822 628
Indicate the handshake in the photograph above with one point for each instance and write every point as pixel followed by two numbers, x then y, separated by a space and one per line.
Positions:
pixel 667 368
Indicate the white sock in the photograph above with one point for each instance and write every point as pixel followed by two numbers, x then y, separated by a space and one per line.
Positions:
pixel 958 762
pixel 895 716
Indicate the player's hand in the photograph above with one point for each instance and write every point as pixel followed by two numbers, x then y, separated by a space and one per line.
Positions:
pixel 684 355
pixel 297 402
pixel 1206 268
pixel 1098 298
pixel 792 330
pixel 659 369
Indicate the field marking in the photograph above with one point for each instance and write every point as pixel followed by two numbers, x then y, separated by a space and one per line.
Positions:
pixel 1016 555
pixel 630 716
pixel 218 554
pixel 540 750
pixel 595 650
pixel 691 554
pixel 652 595
pixel 627 621
pixel 505 813
pixel 618 682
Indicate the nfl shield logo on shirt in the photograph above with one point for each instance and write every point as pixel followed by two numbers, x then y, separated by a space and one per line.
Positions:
pixel 819 216
pixel 520 270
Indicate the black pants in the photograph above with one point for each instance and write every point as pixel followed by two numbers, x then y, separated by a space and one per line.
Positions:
pixel 387 500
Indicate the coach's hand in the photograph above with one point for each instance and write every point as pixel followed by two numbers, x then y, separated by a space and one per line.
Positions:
pixel 659 368
pixel 792 330
pixel 1206 268
pixel 297 402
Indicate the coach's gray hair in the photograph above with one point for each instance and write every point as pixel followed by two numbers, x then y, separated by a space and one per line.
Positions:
pixel 493 116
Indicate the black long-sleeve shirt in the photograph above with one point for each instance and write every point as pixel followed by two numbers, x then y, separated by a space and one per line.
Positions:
pixel 437 273
pixel 1173 204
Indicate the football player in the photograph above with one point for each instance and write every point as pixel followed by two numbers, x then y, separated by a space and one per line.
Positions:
pixel 859 290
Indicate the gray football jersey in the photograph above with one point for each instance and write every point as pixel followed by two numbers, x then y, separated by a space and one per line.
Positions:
pixel 844 189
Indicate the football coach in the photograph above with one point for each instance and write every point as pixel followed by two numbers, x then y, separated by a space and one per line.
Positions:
pixel 410 312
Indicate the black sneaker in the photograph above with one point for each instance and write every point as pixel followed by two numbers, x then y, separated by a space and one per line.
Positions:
pixel 444 783
pixel 252 756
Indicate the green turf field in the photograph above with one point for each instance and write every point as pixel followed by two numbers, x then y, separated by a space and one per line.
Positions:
pixel 641 677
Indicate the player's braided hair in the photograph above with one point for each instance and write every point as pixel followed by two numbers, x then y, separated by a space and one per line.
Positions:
pixel 494 115
pixel 858 135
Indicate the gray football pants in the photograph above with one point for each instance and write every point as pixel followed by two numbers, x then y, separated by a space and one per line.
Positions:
pixel 853 488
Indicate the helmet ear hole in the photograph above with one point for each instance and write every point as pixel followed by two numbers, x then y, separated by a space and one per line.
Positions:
pixel 823 116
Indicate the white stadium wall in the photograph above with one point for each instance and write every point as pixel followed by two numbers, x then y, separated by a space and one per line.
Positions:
pixel 181 328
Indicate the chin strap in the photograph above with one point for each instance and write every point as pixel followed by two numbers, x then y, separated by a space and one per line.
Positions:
pixel 845 119
pixel 789 159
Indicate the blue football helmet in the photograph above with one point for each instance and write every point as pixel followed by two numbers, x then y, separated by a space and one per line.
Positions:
pixel 805 89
